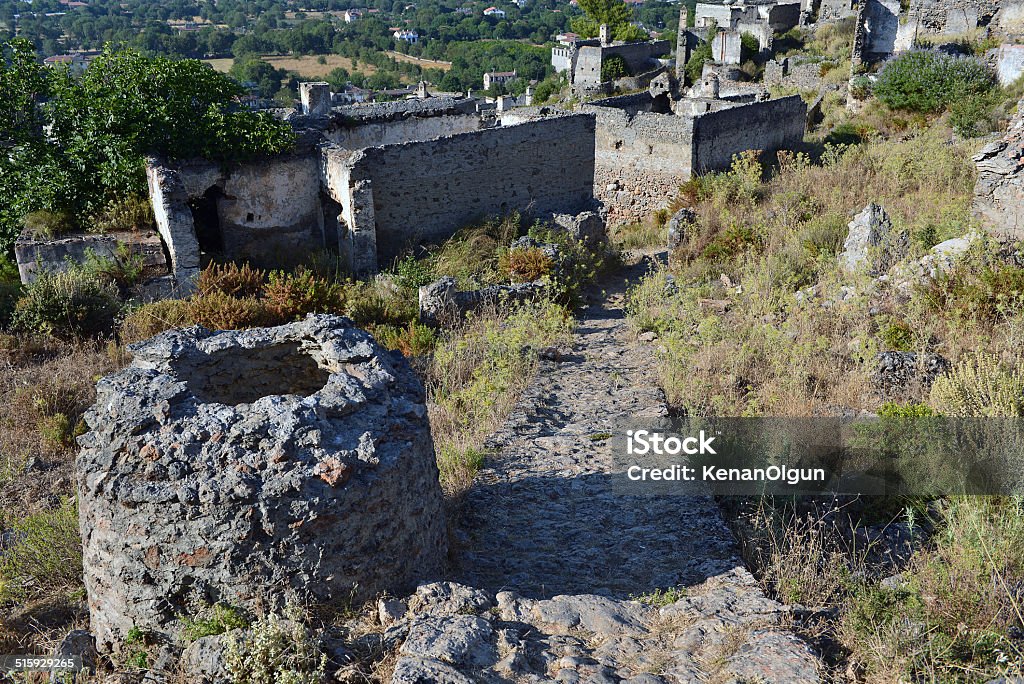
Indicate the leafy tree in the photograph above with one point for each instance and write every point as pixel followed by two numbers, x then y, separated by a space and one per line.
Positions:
pixel 251 68
pixel 102 123
pixel 613 67
pixel 597 12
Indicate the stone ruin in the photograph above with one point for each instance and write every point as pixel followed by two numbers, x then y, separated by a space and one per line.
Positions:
pixel 253 468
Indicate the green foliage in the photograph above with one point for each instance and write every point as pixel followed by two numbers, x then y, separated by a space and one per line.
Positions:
pixel 23 84
pixel 68 304
pixel 45 555
pixel 414 339
pixel 252 68
pixel 128 214
pixel 412 272
pixel 615 13
pixel 134 653
pixel 894 410
pixel 275 650
pixel 659 598
pixel 921 81
pixel 975 115
pixel 123 268
pixel 613 67
pixel 898 336
pixel 290 296
pixel 212 620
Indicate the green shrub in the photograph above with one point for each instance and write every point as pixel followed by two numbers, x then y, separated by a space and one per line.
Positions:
pixel 412 272
pixel 898 336
pixel 290 296
pixel 613 67
pixel 47 224
pixel 123 268
pixel 860 87
pixel 973 116
pixel 133 213
pixel 275 650
pixel 921 81
pixel 45 555
pixel 413 340
pixel 695 65
pixel 67 304
pixel 893 410
pixel 211 621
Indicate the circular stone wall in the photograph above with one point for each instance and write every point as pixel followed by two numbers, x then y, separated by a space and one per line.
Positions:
pixel 252 467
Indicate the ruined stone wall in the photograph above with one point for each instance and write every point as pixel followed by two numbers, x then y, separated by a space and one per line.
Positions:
pixel 769 125
pixel 954 16
pixel 425 191
pixel 999 192
pixel 834 10
pixel 641 157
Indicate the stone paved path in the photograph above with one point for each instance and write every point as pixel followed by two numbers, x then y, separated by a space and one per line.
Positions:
pixel 542 517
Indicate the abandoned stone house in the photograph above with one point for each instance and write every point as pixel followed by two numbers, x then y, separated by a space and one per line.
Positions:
pixel 583 59
pixel 367 182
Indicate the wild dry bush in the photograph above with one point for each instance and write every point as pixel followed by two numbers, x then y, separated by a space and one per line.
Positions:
pixel 737 340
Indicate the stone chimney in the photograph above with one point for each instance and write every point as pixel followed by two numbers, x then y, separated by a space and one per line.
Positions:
pixel 421 90
pixel 315 98
pixel 681 55
pixel 606 36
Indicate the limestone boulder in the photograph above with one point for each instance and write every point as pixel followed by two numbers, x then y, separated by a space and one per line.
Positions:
pixel 872 244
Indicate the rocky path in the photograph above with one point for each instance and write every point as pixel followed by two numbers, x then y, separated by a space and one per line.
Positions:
pixel 549 555
pixel 542 517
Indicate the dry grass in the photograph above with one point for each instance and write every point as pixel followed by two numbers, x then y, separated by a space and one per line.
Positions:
pixel 306 66
pixel 45 386
pixel 425 63
pixel 737 342
pixel 476 376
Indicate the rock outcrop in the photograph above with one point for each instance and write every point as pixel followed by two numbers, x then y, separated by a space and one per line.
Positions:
pixel 999 191
pixel 872 243
pixel 251 468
